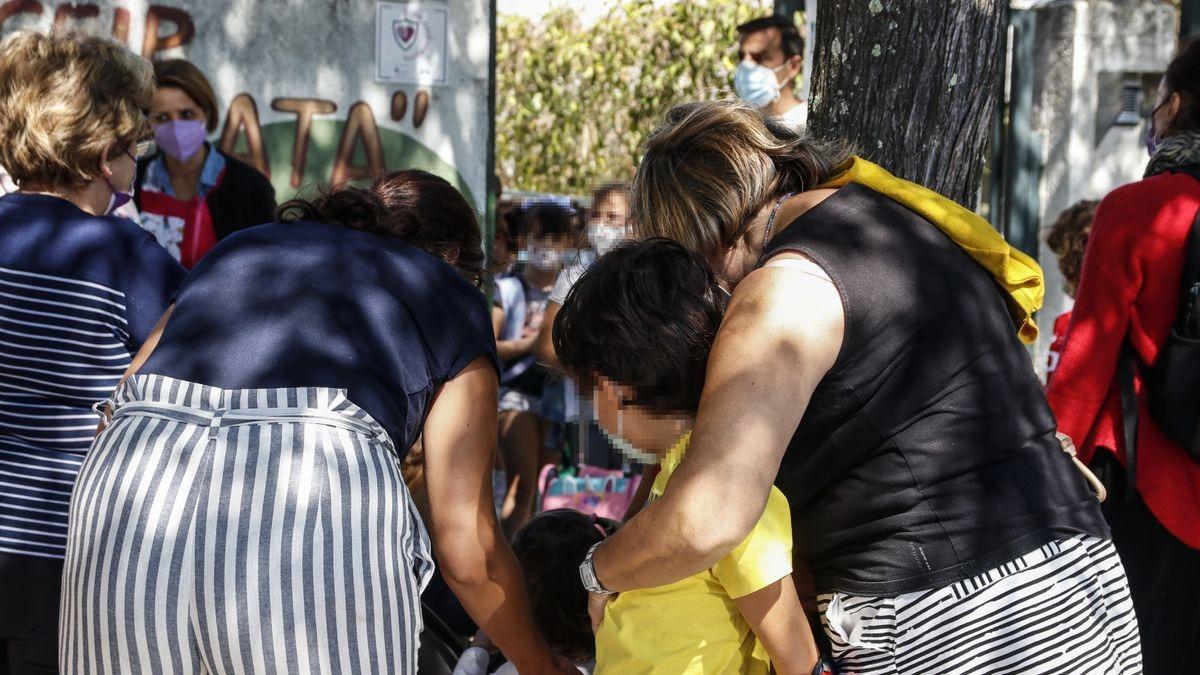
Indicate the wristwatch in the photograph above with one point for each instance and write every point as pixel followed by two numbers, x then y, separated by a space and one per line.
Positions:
pixel 587 575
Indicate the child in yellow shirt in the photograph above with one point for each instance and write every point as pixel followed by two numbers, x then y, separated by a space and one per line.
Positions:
pixel 638 327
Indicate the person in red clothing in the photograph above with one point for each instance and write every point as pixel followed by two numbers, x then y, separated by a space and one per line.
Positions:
pixel 190 194
pixel 1127 296
pixel 1068 239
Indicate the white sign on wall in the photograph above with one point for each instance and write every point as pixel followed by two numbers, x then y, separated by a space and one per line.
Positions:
pixel 410 42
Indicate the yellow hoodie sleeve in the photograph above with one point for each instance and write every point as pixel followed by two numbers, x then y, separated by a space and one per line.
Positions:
pixel 1018 275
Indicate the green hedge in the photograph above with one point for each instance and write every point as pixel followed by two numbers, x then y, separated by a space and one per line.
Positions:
pixel 574 102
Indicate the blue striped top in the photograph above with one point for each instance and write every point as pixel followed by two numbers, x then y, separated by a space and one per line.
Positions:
pixel 78 295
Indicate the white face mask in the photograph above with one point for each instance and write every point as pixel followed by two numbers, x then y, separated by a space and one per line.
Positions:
pixel 618 440
pixel 544 258
pixel 756 84
pixel 605 238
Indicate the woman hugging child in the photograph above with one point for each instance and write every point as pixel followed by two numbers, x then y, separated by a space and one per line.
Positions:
pixel 637 329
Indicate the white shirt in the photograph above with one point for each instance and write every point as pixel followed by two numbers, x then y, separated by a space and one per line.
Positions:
pixel 797 117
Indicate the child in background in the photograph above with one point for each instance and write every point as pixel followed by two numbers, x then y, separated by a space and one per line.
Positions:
pixel 1068 239
pixel 544 241
pixel 637 329
pixel 608 225
pixel 549 549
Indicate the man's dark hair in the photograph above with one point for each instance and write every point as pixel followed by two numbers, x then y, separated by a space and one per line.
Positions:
pixel 644 316
pixel 793 41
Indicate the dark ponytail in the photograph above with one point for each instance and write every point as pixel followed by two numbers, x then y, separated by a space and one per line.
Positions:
pixel 1183 78
pixel 413 205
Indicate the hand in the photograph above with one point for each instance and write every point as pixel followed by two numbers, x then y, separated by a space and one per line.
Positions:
pixel 1097 485
pixel 1068 446
pixel 565 666
pixel 596 605
pixel 482 640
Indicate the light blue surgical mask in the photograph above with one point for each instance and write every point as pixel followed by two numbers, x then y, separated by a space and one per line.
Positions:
pixel 756 84
pixel 627 449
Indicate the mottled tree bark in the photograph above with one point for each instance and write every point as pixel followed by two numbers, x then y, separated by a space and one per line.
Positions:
pixel 911 84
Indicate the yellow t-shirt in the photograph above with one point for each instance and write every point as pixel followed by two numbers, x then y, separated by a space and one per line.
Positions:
pixel 693 626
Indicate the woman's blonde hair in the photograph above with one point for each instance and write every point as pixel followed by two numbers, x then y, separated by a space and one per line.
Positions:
pixel 65 99
pixel 712 165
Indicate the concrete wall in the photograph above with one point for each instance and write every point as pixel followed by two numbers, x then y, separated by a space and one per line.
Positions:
pixel 274 64
pixel 1083 47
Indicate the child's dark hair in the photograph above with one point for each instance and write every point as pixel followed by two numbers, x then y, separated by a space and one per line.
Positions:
pixel 1068 239
pixel 547 218
pixel 645 316
pixel 550 549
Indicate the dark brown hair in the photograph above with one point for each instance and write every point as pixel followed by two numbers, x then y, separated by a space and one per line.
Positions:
pixel 791 40
pixel 413 205
pixel 1183 78
pixel 1068 239
pixel 645 316
pixel 182 75
pixel 550 549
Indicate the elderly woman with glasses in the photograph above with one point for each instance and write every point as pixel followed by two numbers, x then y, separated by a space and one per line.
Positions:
pixel 80 290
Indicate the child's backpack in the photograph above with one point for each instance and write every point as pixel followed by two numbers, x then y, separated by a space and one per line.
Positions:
pixel 602 492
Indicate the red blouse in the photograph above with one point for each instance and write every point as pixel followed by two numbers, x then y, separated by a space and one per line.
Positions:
pixel 1130 286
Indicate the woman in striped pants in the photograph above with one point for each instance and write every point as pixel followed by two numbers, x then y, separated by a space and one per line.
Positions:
pixel 243 511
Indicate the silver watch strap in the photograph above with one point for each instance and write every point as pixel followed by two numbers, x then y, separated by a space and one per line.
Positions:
pixel 587 574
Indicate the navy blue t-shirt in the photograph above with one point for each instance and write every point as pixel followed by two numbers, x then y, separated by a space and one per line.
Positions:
pixel 315 305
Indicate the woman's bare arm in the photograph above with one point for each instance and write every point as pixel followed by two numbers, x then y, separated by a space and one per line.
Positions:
pixel 781 335
pixel 460 437
pixel 139 360
pixel 509 349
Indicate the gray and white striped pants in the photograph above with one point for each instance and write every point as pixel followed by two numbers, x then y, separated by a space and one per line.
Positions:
pixel 241 531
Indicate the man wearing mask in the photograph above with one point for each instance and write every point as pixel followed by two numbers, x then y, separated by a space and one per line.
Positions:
pixel 771 55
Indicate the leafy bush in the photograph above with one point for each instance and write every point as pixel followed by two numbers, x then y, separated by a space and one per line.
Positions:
pixel 574 102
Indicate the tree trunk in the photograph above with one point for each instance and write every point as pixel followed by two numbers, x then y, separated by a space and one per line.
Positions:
pixel 912 85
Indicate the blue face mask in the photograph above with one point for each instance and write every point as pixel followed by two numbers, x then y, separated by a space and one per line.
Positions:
pixel 756 84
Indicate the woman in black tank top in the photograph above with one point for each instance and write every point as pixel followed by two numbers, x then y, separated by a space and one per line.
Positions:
pixel 870 367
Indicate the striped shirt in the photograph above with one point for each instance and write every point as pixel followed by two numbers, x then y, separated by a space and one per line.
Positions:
pixel 78 295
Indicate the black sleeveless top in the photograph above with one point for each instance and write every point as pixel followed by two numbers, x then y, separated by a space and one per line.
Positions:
pixel 927 454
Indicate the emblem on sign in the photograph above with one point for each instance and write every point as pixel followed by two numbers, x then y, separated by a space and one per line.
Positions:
pixel 405 31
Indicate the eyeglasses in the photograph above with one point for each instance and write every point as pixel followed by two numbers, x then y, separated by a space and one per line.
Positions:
pixel 144 149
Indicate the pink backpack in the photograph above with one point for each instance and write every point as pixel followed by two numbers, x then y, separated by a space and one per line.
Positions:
pixel 603 492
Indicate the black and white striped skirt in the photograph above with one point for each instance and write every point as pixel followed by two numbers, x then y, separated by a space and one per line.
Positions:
pixel 1063 608
pixel 241 531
